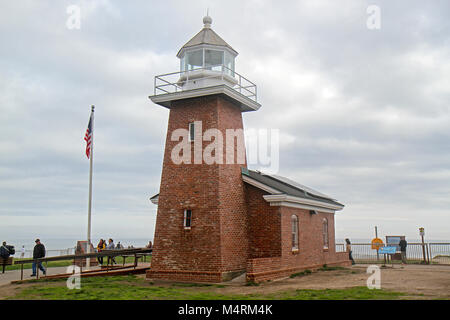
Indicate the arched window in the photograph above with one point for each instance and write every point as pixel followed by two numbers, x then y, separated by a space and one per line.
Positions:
pixel 294 222
pixel 325 233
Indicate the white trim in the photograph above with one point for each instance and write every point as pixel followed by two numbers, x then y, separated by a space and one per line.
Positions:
pixel 300 206
pixel 246 103
pixel 311 204
pixel 259 185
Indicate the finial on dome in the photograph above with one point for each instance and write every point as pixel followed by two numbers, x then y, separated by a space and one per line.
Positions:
pixel 207 20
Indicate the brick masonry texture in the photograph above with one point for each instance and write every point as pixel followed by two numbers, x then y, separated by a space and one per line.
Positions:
pixel 217 240
pixel 234 230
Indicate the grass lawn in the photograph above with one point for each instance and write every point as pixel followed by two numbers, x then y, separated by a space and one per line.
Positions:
pixel 137 288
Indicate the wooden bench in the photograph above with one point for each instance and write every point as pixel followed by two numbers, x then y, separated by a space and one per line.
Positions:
pixel 6 262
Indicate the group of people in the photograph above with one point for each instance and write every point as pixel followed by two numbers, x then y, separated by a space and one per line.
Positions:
pixel 38 252
pixel 102 245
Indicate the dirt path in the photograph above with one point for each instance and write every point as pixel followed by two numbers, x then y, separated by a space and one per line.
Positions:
pixel 433 282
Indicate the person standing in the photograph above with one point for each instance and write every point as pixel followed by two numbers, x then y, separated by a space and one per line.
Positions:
pixel 349 250
pixel 111 246
pixel 402 244
pixel 22 254
pixel 38 252
pixel 100 247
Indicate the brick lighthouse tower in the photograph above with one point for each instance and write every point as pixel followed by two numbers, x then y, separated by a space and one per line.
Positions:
pixel 201 226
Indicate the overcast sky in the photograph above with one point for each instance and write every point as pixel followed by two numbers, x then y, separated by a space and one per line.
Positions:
pixel 363 113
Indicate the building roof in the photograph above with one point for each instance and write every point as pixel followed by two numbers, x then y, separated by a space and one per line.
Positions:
pixel 284 186
pixel 283 191
pixel 206 36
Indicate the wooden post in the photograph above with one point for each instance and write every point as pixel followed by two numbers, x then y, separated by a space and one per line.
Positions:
pixel 21 272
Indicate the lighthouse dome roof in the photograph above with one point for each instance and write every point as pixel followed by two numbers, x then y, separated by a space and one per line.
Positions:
pixel 206 36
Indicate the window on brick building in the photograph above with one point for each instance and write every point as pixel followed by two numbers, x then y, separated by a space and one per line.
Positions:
pixel 294 222
pixel 187 218
pixel 191 131
pixel 325 233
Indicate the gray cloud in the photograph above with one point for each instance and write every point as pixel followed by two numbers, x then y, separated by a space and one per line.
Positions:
pixel 365 113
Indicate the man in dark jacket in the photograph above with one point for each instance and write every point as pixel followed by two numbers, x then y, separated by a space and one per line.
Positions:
pixel 402 244
pixel 38 252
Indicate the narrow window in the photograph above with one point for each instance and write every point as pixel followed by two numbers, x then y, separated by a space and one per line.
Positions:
pixel 325 233
pixel 191 131
pixel 187 218
pixel 294 222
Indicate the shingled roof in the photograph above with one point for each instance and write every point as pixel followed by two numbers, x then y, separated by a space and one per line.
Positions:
pixel 206 36
pixel 284 190
pixel 279 185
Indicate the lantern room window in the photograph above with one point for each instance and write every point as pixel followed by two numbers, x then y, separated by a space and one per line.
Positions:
pixel 210 59
pixel 214 59
pixel 193 60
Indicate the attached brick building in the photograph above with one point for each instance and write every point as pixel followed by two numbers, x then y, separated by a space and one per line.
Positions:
pixel 218 219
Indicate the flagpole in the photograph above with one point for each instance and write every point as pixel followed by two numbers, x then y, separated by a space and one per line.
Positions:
pixel 91 158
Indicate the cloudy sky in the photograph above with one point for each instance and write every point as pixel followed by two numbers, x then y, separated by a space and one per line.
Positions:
pixel 363 113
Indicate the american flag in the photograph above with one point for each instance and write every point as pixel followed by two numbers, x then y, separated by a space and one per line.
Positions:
pixel 88 137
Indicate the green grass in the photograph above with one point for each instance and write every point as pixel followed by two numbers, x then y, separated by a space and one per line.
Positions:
pixel 136 288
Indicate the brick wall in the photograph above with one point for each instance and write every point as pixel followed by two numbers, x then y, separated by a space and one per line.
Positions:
pixel 217 240
pixel 264 225
pixel 311 253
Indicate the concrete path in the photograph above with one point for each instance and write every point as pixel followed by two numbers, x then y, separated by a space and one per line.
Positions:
pixel 8 276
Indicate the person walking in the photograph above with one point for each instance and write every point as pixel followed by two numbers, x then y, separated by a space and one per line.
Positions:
pixel 402 244
pixel 22 254
pixel 100 247
pixel 349 250
pixel 38 252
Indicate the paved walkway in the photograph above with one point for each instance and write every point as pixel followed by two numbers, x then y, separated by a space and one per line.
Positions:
pixel 8 276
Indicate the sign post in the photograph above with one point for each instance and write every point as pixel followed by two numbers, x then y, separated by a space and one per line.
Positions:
pixel 422 234
pixel 388 251
pixel 377 243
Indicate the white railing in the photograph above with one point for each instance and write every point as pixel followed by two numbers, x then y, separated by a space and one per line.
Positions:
pixel 176 81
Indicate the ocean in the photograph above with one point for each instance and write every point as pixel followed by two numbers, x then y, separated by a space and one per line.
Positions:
pixel 56 247
pixel 63 246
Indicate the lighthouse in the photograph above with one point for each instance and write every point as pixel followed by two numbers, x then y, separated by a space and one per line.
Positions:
pixel 201 224
pixel 216 218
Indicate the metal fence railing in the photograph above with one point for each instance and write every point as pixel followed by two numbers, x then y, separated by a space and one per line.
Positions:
pixel 176 81
pixel 430 253
pixel 439 253
pixel 48 253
